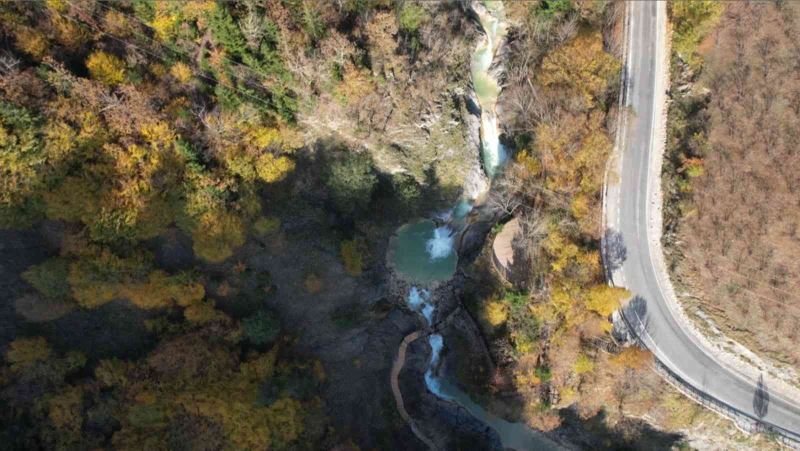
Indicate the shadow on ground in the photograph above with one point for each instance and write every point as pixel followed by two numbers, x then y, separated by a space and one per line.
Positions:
pixel 629 434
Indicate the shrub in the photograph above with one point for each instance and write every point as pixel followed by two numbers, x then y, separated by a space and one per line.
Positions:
pixel 181 71
pixel 633 358
pixel 313 284
pixel 496 313
pixel 543 373
pixel 347 317
pixel 266 225
pixel 583 365
pixel 411 17
pixel 352 258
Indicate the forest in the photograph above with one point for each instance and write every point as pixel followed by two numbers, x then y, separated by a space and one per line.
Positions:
pixel 196 199
pixel 732 171
pixel 159 145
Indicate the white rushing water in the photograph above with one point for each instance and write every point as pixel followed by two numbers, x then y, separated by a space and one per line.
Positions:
pixel 417 297
pixel 420 300
pixel 486 85
pixel 433 383
pixel 494 153
pixel 427 312
pixel 441 245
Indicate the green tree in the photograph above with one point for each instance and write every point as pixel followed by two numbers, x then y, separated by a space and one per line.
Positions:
pixel 550 9
pixel 261 328
pixel 226 32
pixel 693 19
pixel 351 181
pixel 49 278
pixel 411 17
pixel 407 192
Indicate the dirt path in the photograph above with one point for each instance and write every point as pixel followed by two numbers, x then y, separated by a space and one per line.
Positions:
pixel 397 366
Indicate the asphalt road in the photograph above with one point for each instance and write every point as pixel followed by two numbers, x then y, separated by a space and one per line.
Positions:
pixel 633 229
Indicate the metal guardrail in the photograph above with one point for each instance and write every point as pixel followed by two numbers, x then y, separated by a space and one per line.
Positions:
pixel 745 421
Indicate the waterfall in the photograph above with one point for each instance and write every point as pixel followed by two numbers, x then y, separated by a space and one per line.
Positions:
pixel 486 85
pixel 485 76
pixel 433 383
pixel 427 312
pixel 494 154
pixel 417 297
pixel 462 210
pixel 441 245
pixel 419 300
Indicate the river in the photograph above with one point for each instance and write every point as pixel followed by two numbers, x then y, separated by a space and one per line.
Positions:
pixel 423 251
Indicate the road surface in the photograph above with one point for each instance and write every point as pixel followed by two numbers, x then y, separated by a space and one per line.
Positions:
pixel 634 258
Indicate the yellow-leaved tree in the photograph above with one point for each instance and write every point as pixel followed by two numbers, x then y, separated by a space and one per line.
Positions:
pixel 162 290
pixel 106 68
pixel 604 299
pixel 271 168
pixel 581 66
pixel 218 234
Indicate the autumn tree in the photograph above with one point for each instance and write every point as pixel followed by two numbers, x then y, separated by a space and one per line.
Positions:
pixel 581 66
pixel 693 20
pixel 22 158
pixel 106 68
pixel 24 352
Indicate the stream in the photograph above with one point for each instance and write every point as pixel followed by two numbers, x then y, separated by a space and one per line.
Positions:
pixel 423 252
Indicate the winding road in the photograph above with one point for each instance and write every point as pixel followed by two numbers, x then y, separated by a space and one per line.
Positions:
pixel 632 250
